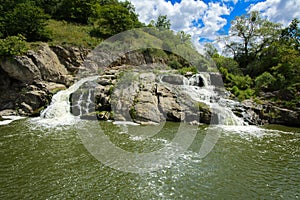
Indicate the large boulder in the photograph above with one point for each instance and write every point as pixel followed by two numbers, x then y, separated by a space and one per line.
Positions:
pixel 21 68
pixel 267 113
pixel 36 66
pixel 71 57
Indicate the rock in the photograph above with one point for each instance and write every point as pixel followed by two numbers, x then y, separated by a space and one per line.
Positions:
pixel 145 112
pixel 140 98
pixel 51 87
pixel 49 65
pixel 21 68
pixel 267 113
pixel 32 102
pixel 104 115
pixel 8 112
pixel 134 58
pixel 216 79
pixel 90 116
pixel 173 79
pixel 122 98
pixel 71 57
pixel 36 66
pixel 283 116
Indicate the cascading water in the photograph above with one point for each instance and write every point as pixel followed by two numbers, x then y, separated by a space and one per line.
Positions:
pixel 59 112
pixel 199 87
pixel 207 94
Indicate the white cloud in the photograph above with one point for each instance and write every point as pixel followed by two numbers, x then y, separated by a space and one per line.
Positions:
pixel 282 11
pixel 184 13
pixel 233 1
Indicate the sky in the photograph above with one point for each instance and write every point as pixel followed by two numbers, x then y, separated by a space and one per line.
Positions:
pixel 206 20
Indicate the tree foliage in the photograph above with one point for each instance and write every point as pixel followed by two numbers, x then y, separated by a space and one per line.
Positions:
pixel 264 52
pixel 115 18
pixel 13 46
pixel 249 35
pixel 163 22
pixel 26 19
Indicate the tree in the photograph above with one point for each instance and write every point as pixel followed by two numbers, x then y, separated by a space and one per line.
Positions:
pixel 28 20
pixel 49 6
pixel 249 34
pixel 291 34
pixel 78 11
pixel 112 19
pixel 163 22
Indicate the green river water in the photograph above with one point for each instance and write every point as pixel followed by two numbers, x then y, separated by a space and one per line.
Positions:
pixel 39 162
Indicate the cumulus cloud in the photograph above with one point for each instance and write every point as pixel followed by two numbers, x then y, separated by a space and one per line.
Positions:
pixel 205 21
pixel 233 1
pixel 282 11
pixel 195 17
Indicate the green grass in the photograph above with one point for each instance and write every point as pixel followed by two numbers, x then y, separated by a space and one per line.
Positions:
pixel 64 33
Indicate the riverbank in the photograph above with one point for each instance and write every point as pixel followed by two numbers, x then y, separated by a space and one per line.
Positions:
pixel 30 81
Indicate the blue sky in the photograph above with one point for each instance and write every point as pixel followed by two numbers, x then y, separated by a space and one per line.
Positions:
pixel 206 20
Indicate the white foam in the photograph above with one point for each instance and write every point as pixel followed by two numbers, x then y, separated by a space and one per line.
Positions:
pixel 125 123
pixel 9 119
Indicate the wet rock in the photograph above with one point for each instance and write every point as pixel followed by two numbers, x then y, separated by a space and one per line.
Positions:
pixel 89 116
pixel 173 79
pixel 8 112
pixel 32 102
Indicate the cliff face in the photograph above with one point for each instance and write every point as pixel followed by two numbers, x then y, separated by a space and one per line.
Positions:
pixel 29 81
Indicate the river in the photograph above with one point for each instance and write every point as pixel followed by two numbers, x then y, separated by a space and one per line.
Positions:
pixel 44 162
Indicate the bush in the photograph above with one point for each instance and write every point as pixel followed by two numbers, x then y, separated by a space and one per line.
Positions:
pixel 114 19
pixel 242 82
pixel 242 94
pixel 228 63
pixel 265 82
pixel 13 46
pixel 28 20
pixel 174 64
pixel 184 70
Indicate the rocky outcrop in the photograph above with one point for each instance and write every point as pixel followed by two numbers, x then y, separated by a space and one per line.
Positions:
pixel 140 97
pixel 29 81
pixel 267 113
pixel 71 57
pixel 36 66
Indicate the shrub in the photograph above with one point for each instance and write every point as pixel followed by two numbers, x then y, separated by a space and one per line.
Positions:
pixel 28 20
pixel 174 64
pixel 264 82
pixel 184 70
pixel 242 82
pixel 13 46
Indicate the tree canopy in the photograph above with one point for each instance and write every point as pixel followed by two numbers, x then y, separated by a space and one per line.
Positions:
pixel 249 34
pixel 265 56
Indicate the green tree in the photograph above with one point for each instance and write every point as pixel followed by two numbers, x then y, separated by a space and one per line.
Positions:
pixel 49 6
pixel 227 63
pixel 78 11
pixel 291 34
pixel 28 20
pixel 163 22
pixel 249 35
pixel 113 19
pixel 265 82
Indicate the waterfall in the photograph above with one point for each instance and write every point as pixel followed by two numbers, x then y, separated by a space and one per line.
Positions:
pixel 200 88
pixel 59 109
pixel 203 91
